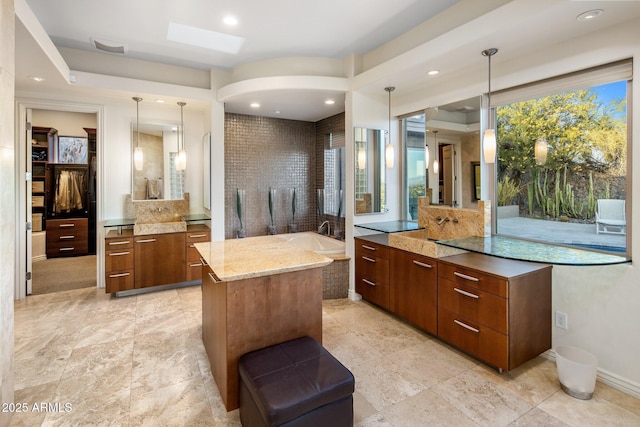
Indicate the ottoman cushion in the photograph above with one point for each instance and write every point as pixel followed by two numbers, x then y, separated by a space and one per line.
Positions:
pixel 293 378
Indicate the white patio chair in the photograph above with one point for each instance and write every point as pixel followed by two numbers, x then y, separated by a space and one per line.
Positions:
pixel 611 216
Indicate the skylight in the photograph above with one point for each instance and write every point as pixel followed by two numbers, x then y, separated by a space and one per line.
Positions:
pixel 207 39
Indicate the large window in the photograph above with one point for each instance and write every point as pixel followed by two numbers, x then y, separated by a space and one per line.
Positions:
pixel 562 171
pixel 413 135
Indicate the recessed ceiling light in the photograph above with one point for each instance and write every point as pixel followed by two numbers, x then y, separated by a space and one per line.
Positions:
pixel 329 102
pixel 433 72
pixel 160 101
pixel 277 111
pixel 36 78
pixel 254 105
pixel 230 20
pixel 589 15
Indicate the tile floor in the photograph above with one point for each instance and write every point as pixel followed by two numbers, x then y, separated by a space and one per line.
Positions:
pixel 140 361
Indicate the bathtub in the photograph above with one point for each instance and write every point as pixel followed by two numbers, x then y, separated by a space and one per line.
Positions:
pixel 315 242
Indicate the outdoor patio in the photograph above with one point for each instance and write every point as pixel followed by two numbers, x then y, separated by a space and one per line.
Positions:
pixel 559 232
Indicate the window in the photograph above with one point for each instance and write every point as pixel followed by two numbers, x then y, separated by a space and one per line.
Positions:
pixel 413 135
pixel 562 170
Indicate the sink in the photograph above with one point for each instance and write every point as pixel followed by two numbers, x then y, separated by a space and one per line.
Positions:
pixel 159 226
pixel 417 242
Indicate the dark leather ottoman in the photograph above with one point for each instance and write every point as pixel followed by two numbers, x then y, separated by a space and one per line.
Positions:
pixel 296 383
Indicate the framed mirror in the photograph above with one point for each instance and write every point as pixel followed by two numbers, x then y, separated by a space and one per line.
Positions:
pixel 370 178
pixel 158 177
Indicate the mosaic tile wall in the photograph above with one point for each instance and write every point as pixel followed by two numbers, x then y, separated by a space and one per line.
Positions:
pixel 263 152
pixel 335 280
pixel 331 125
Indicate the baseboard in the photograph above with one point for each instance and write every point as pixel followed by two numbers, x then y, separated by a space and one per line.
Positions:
pixel 39 258
pixel 609 378
pixel 354 296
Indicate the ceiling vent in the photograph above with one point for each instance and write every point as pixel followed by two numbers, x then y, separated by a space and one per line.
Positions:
pixel 109 46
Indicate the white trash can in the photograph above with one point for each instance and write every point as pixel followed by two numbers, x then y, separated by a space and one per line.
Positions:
pixel 577 371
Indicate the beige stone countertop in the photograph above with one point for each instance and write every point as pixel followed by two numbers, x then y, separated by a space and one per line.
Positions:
pixel 418 242
pixel 237 259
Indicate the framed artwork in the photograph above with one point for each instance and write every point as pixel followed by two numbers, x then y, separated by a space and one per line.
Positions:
pixel 72 149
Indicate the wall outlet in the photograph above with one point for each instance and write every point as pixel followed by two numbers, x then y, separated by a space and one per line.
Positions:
pixel 562 320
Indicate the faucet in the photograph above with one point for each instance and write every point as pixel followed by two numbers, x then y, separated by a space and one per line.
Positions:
pixel 442 220
pixel 322 226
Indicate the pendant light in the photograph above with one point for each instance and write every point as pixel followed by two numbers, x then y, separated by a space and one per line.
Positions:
pixel 389 154
pixel 362 158
pixel 137 153
pixel 181 160
pixel 489 141
pixel 436 164
pixel 540 151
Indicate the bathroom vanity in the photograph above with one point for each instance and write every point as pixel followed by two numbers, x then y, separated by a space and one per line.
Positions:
pixel 136 261
pixel 256 292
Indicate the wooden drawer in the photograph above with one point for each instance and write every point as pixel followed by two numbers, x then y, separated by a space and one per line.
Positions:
pixel 478 340
pixel 119 260
pixel 194 270
pixel 116 281
pixel 118 243
pixel 377 293
pixel 473 304
pixel 371 248
pixel 198 236
pixel 67 224
pixel 373 268
pixel 58 249
pixel 473 278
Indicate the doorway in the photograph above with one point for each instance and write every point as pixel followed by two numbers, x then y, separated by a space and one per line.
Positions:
pixel 57 143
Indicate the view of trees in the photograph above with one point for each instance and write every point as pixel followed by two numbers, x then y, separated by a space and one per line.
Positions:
pixel 587 152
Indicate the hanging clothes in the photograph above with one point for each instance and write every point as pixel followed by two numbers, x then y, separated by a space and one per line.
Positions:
pixel 70 188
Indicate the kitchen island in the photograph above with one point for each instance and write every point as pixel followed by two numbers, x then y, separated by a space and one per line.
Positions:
pixel 256 292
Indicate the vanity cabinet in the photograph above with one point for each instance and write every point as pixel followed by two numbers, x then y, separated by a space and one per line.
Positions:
pixel 195 233
pixel 413 288
pixel 160 259
pixel 67 237
pixel 119 261
pixel 372 272
pixel 495 309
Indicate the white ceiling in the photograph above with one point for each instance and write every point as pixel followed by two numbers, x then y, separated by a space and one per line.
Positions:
pixel 294 28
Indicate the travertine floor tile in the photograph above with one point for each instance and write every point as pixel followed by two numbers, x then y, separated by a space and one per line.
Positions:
pixel 140 360
pixel 473 395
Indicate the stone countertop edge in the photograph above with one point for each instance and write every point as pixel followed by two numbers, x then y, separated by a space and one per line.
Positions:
pixel 237 259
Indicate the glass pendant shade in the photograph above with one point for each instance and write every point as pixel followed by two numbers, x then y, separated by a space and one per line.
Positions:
pixel 181 160
pixel 362 158
pixel 426 155
pixel 541 149
pixel 389 155
pixel 489 146
pixel 138 158
pixel 436 166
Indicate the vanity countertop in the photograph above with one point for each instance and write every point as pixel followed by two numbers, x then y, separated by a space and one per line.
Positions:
pixel 390 226
pixel 237 259
pixel 524 250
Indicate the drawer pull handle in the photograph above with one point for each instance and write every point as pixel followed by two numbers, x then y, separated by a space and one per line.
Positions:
pixel 124 242
pixel 371 248
pixel 113 276
pixel 67 237
pixel 146 241
pixel 368 282
pixel 466 294
pixel 368 259
pixel 67 225
pixel 203 261
pixel 119 253
pixel 195 236
pixel 195 265
pixel 464 325
pixel 214 278
pixel 464 276
pixel 67 249
pixel 422 264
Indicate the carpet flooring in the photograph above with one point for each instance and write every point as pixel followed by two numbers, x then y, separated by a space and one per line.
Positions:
pixel 63 274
